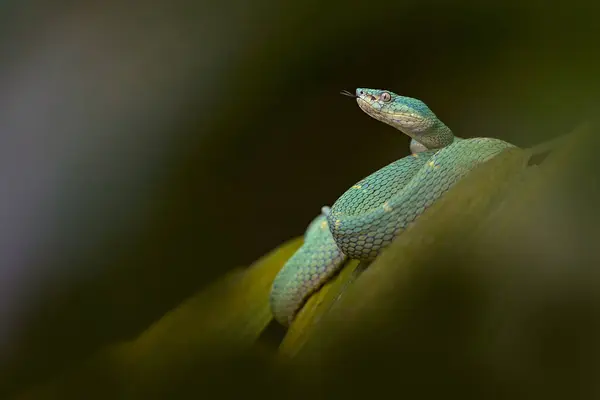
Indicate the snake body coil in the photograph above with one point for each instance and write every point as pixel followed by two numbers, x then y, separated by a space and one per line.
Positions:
pixel 373 212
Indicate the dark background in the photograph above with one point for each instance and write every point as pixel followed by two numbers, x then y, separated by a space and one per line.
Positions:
pixel 147 148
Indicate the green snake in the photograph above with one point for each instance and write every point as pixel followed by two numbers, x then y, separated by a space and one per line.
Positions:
pixel 373 212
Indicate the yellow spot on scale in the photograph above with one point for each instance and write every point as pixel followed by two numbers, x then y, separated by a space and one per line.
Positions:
pixel 337 223
pixel 432 164
pixel 323 224
pixel 356 187
pixel 415 155
pixel 387 207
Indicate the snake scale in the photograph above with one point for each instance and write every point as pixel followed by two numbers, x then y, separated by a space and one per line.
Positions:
pixel 370 214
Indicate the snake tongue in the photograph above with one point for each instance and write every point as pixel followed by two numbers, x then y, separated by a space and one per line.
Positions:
pixel 347 94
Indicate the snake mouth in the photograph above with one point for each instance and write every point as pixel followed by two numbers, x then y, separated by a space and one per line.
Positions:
pixel 368 106
pixel 371 109
pixel 387 116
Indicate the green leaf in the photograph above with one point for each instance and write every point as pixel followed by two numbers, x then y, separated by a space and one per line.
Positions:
pixel 212 332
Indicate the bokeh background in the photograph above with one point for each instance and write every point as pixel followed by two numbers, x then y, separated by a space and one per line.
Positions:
pixel 148 147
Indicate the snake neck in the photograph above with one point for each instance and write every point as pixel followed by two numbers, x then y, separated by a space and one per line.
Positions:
pixel 436 136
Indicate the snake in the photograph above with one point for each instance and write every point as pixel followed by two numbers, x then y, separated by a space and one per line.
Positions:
pixel 368 216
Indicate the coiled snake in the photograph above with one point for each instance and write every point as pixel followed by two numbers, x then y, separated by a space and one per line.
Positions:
pixel 369 215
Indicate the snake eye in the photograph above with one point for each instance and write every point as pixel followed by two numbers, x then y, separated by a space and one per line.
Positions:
pixel 385 96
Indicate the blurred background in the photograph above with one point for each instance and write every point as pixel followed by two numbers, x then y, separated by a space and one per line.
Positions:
pixel 148 147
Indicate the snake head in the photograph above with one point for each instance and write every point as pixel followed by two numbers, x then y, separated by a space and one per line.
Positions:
pixel 408 115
